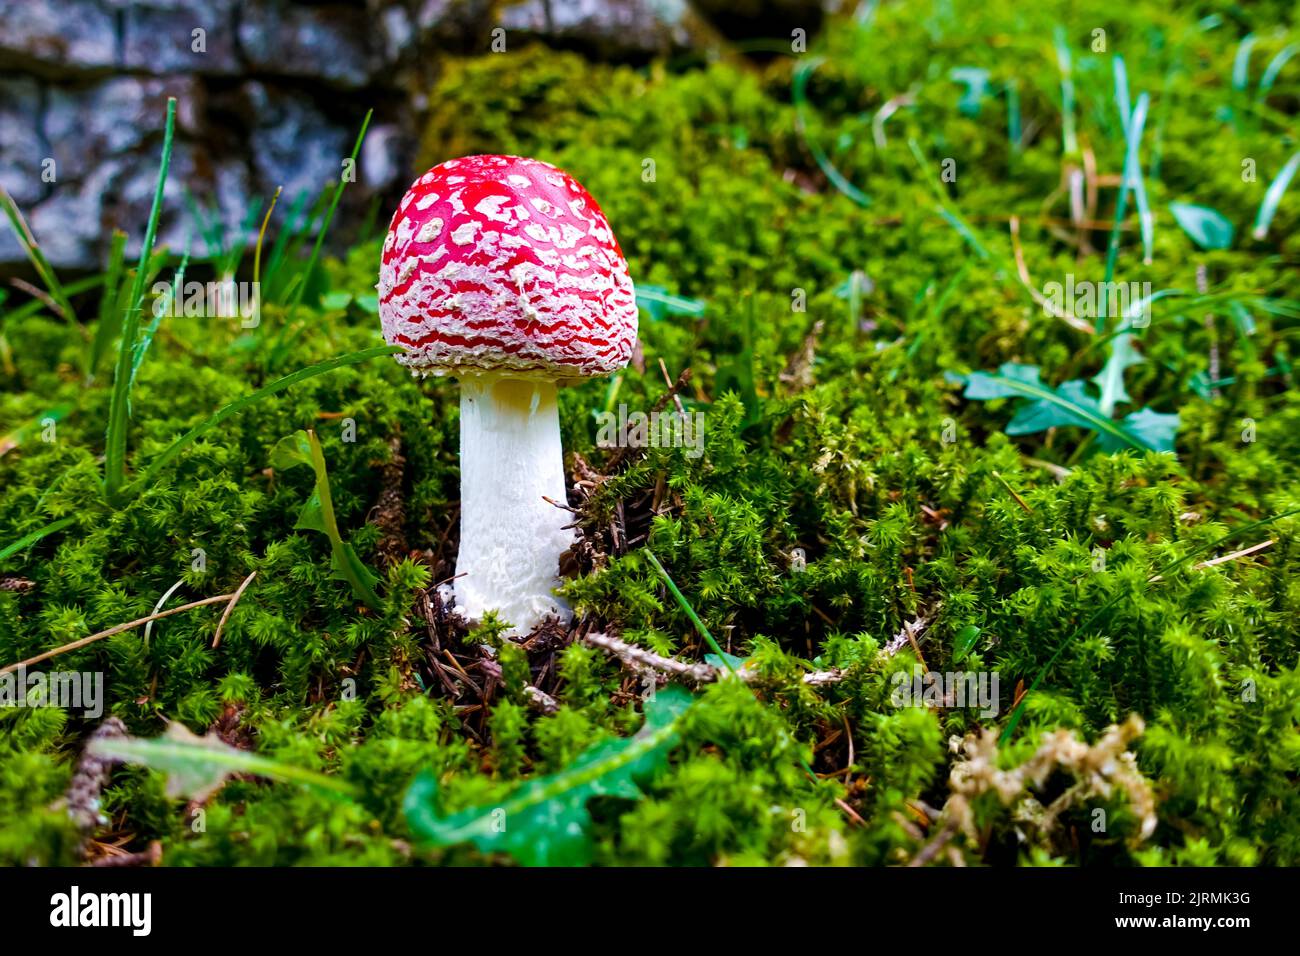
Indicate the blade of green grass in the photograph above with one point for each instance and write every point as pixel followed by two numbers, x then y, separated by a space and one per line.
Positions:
pixel 115 440
pixel 226 411
pixel 36 305
pixel 1145 220
pixel 161 308
pixel 685 605
pixel 948 211
pixel 1014 122
pixel 1273 69
pixel 1273 197
pixel 33 250
pixel 799 93
pixel 25 542
pixel 329 218
pixel 1131 174
pixel 1069 138
pixel 110 318
pixel 1241 63
pixel 276 352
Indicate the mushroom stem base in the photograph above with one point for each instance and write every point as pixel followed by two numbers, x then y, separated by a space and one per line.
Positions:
pixel 511 538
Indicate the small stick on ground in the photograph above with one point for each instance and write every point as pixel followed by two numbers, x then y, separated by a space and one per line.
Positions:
pixel 1222 559
pixel 638 658
pixel 541 701
pixel 83 793
pixel 75 645
pixel 225 615
pixel 149 857
pixel 911 632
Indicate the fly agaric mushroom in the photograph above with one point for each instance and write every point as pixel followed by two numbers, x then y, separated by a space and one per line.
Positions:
pixel 503 272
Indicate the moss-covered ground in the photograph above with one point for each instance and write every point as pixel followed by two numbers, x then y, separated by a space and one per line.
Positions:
pixel 908 461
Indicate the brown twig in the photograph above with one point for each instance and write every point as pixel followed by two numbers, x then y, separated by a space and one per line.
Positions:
pixel 1079 325
pixel 225 615
pixel 1223 559
pixel 698 673
pixel 911 632
pixel 540 700
pixel 75 645
pixel 83 793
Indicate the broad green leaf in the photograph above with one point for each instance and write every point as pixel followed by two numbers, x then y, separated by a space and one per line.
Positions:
pixel 303 448
pixel 1067 405
pixel 1040 415
pixel 1009 382
pixel 976 81
pixel 724 661
pixel 290 451
pixel 1156 430
pixel 197 767
pixel 545 821
pixel 964 642
pixel 1207 227
pixel 658 303
pixel 1110 380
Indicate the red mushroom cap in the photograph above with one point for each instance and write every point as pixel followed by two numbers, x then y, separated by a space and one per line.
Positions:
pixel 505 263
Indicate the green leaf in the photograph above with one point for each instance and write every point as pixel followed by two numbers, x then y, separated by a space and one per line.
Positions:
pixel 976 81
pixel 658 303
pixel 1274 68
pixel 197 767
pixel 1009 382
pixel 1207 227
pixel 110 301
pixel 291 450
pixel 37 257
pixel 545 821
pixel 1069 404
pixel 303 448
pixel 724 661
pixel 1156 430
pixel 1132 181
pixel 964 642
pixel 1241 62
pixel 1042 414
pixel 1110 380
pixel 685 605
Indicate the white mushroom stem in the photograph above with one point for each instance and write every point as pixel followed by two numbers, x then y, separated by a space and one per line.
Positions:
pixel 511 538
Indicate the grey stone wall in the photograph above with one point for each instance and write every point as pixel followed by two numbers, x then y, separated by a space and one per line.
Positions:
pixel 270 93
